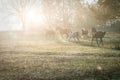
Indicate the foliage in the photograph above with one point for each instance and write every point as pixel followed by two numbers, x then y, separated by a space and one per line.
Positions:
pixel 66 13
pixel 110 9
pixel 58 62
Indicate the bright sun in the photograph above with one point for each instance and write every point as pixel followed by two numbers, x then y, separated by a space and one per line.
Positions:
pixel 34 17
pixel 90 1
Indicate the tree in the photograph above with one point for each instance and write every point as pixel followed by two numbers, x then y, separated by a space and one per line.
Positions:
pixel 108 9
pixel 18 8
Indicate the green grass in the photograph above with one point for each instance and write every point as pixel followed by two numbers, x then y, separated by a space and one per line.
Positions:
pixel 28 58
pixel 36 60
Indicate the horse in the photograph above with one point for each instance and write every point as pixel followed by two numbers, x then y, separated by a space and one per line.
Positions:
pixel 84 32
pixel 98 35
pixel 74 35
pixel 63 31
pixel 49 33
pixel 93 29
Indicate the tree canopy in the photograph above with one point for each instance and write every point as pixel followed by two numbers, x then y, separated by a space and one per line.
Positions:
pixel 75 13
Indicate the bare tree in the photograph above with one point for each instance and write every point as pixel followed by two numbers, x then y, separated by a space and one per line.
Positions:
pixel 17 8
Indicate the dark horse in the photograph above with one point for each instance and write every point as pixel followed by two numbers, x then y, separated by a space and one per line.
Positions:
pixel 97 35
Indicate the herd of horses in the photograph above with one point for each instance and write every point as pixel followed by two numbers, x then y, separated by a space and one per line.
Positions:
pixel 67 33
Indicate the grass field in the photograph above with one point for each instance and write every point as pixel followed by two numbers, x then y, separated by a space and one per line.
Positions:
pixel 55 60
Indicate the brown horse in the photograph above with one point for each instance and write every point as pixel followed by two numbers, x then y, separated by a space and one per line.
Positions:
pixel 63 31
pixel 49 33
pixel 84 32
pixel 98 35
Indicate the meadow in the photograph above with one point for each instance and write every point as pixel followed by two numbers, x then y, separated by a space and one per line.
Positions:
pixel 30 59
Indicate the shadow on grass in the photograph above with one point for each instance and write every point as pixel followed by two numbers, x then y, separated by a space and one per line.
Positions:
pixel 112 74
pixel 9 72
pixel 61 54
pixel 87 43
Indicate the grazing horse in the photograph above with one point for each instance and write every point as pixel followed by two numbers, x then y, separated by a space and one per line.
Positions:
pixel 74 35
pixel 84 32
pixel 98 35
pixel 63 31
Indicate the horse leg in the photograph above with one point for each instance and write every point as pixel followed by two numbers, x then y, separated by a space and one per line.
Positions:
pixel 69 38
pixel 97 41
pixel 77 38
pixel 66 36
pixel 74 38
pixel 92 41
pixel 102 41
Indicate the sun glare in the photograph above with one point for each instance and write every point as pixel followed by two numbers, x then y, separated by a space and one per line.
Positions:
pixel 34 17
pixel 90 1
